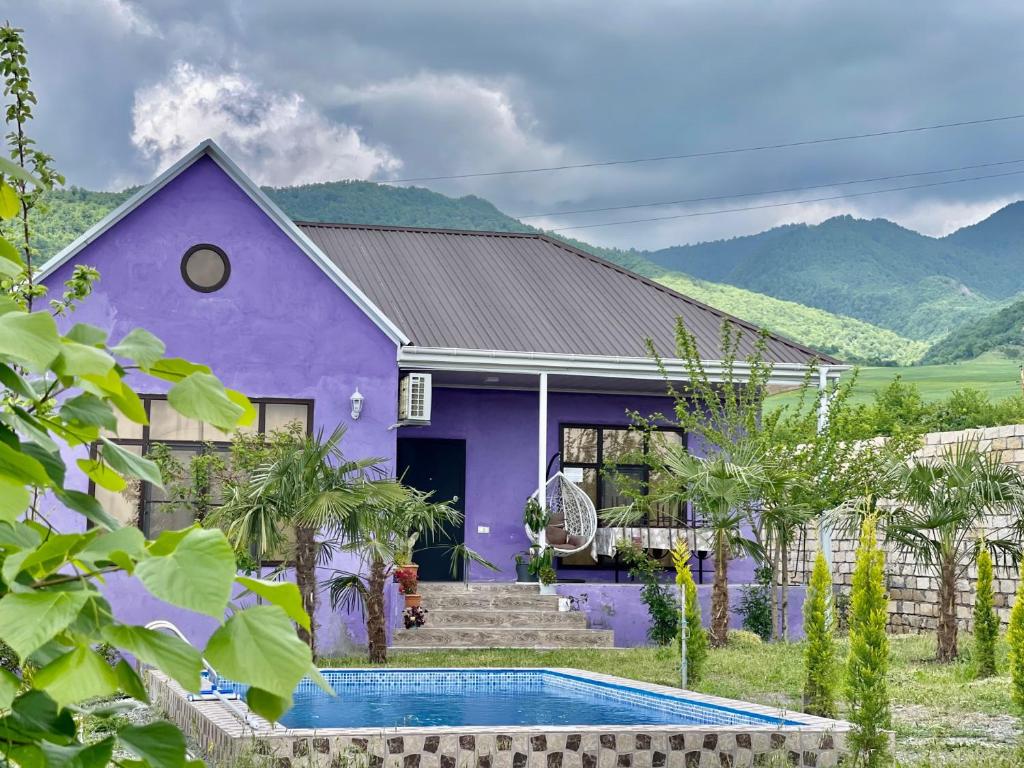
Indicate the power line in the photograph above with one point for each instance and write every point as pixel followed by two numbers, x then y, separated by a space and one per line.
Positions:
pixel 791 202
pixel 710 153
pixel 709 198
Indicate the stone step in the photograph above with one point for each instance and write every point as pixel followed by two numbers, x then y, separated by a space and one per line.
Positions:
pixel 495 602
pixel 489 587
pixel 501 637
pixel 500 618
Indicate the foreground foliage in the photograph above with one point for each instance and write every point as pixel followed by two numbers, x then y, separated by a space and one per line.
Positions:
pixel 986 620
pixel 820 650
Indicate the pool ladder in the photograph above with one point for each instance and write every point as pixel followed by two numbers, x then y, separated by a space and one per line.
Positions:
pixel 209 676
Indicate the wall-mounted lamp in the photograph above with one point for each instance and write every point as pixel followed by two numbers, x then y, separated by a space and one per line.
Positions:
pixel 357 403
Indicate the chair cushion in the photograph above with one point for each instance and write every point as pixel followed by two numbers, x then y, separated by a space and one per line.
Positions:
pixel 555 535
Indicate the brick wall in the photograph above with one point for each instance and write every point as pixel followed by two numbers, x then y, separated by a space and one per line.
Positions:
pixel 913 590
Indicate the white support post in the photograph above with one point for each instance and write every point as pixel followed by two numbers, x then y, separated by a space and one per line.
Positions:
pixel 542 451
pixel 824 532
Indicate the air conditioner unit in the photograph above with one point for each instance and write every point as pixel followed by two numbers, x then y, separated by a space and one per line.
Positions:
pixel 414 398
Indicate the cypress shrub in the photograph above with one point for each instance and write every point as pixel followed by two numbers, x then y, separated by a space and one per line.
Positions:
pixel 820 648
pixel 986 621
pixel 696 635
pixel 1015 637
pixel 867 666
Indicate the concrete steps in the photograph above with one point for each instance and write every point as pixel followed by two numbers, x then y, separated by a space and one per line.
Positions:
pixel 485 615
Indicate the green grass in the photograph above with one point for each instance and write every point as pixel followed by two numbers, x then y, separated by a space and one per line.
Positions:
pixel 991 373
pixel 942 716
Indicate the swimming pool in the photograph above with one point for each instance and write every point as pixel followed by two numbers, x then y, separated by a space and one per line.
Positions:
pixel 501 718
pixel 456 697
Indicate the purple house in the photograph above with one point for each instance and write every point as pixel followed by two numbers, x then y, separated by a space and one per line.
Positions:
pixel 477 363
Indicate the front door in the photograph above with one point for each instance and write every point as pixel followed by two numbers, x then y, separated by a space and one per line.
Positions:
pixel 438 466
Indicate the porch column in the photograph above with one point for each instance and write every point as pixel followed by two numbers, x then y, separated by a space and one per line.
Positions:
pixel 542 449
pixel 824 532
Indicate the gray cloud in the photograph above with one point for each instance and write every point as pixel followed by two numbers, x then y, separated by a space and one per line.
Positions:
pixel 452 86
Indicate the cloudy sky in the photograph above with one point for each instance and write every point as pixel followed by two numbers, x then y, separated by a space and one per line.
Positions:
pixel 318 90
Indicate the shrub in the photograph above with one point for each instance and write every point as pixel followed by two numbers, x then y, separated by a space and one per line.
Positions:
pixel 756 605
pixel 742 638
pixel 986 622
pixel 1015 637
pixel 868 663
pixel 659 600
pixel 820 650
pixel 696 635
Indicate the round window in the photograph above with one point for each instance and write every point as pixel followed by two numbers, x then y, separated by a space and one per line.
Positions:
pixel 205 268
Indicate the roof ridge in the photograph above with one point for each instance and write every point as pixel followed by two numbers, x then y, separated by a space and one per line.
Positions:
pixel 422 230
pixel 682 296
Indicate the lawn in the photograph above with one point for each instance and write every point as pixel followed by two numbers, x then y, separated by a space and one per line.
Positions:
pixel 942 716
pixel 998 376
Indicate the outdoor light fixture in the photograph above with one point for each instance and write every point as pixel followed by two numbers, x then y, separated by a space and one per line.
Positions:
pixel 357 403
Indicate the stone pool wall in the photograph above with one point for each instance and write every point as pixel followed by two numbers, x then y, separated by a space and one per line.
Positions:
pixel 225 739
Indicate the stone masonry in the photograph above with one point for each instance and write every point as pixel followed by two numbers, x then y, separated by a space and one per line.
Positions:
pixel 913 590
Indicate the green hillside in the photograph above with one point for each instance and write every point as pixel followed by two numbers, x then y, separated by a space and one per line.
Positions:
pixel 1002 331
pixel 920 287
pixel 995 375
pixel 72 211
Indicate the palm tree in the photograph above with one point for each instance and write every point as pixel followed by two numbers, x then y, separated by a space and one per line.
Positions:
pixel 943 509
pixel 380 535
pixel 307 487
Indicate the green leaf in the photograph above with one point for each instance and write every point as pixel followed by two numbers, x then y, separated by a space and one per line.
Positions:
pixel 141 346
pixel 282 593
pixel 8 268
pixel 267 705
pixel 80 360
pixel 15 383
pixel 48 556
pixel 160 744
pixel 21 469
pixel 10 253
pixel 201 396
pixel 265 633
pixel 9 686
pixel 9 168
pixel 95 755
pixel 102 475
pixel 169 654
pixel 84 333
pixel 196 575
pixel 30 339
pixel 88 409
pixel 10 204
pixel 14 500
pixel 36 715
pixel 128 681
pixel 127 463
pixel 51 461
pixel 127 539
pixel 30 619
pixel 175 369
pixel 248 409
pixel 88 506
pixel 76 676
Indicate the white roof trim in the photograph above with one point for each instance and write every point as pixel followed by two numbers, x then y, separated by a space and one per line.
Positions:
pixel 209 147
pixel 499 361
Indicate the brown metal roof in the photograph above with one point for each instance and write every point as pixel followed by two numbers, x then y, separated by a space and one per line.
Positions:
pixel 521 292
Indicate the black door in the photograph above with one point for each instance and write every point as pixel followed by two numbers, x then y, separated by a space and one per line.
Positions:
pixel 439 466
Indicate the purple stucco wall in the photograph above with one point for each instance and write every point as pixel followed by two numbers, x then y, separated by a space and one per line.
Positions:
pixel 279 328
pixel 500 430
pixel 618 607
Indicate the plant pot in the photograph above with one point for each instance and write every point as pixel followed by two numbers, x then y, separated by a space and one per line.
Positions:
pixel 413 601
pixel 548 589
pixel 523 573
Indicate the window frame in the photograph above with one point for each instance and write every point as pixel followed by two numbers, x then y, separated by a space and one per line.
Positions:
pixel 224 260
pixel 144 442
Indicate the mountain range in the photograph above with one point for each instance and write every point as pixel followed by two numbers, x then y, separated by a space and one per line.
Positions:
pixel 864 290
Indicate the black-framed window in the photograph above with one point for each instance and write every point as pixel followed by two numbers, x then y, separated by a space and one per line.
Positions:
pixel 205 268
pixel 147 507
pixel 593 449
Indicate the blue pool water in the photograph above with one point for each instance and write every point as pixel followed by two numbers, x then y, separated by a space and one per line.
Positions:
pixel 453 697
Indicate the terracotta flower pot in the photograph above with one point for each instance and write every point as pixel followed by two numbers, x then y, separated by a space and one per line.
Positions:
pixel 413 601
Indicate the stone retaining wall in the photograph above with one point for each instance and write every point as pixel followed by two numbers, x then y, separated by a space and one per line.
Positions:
pixel 913 590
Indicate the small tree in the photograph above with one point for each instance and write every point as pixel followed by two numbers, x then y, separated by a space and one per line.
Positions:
pixel 986 621
pixel 820 651
pixel 692 625
pixel 868 663
pixel 1015 638
pixel 656 596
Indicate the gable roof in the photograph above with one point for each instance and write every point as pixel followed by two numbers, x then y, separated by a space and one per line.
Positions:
pixel 209 148
pixel 524 292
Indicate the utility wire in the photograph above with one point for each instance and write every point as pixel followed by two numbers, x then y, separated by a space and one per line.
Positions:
pixel 710 153
pixel 771 191
pixel 791 202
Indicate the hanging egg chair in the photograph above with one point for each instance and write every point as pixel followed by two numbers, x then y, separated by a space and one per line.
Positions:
pixel 572 520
